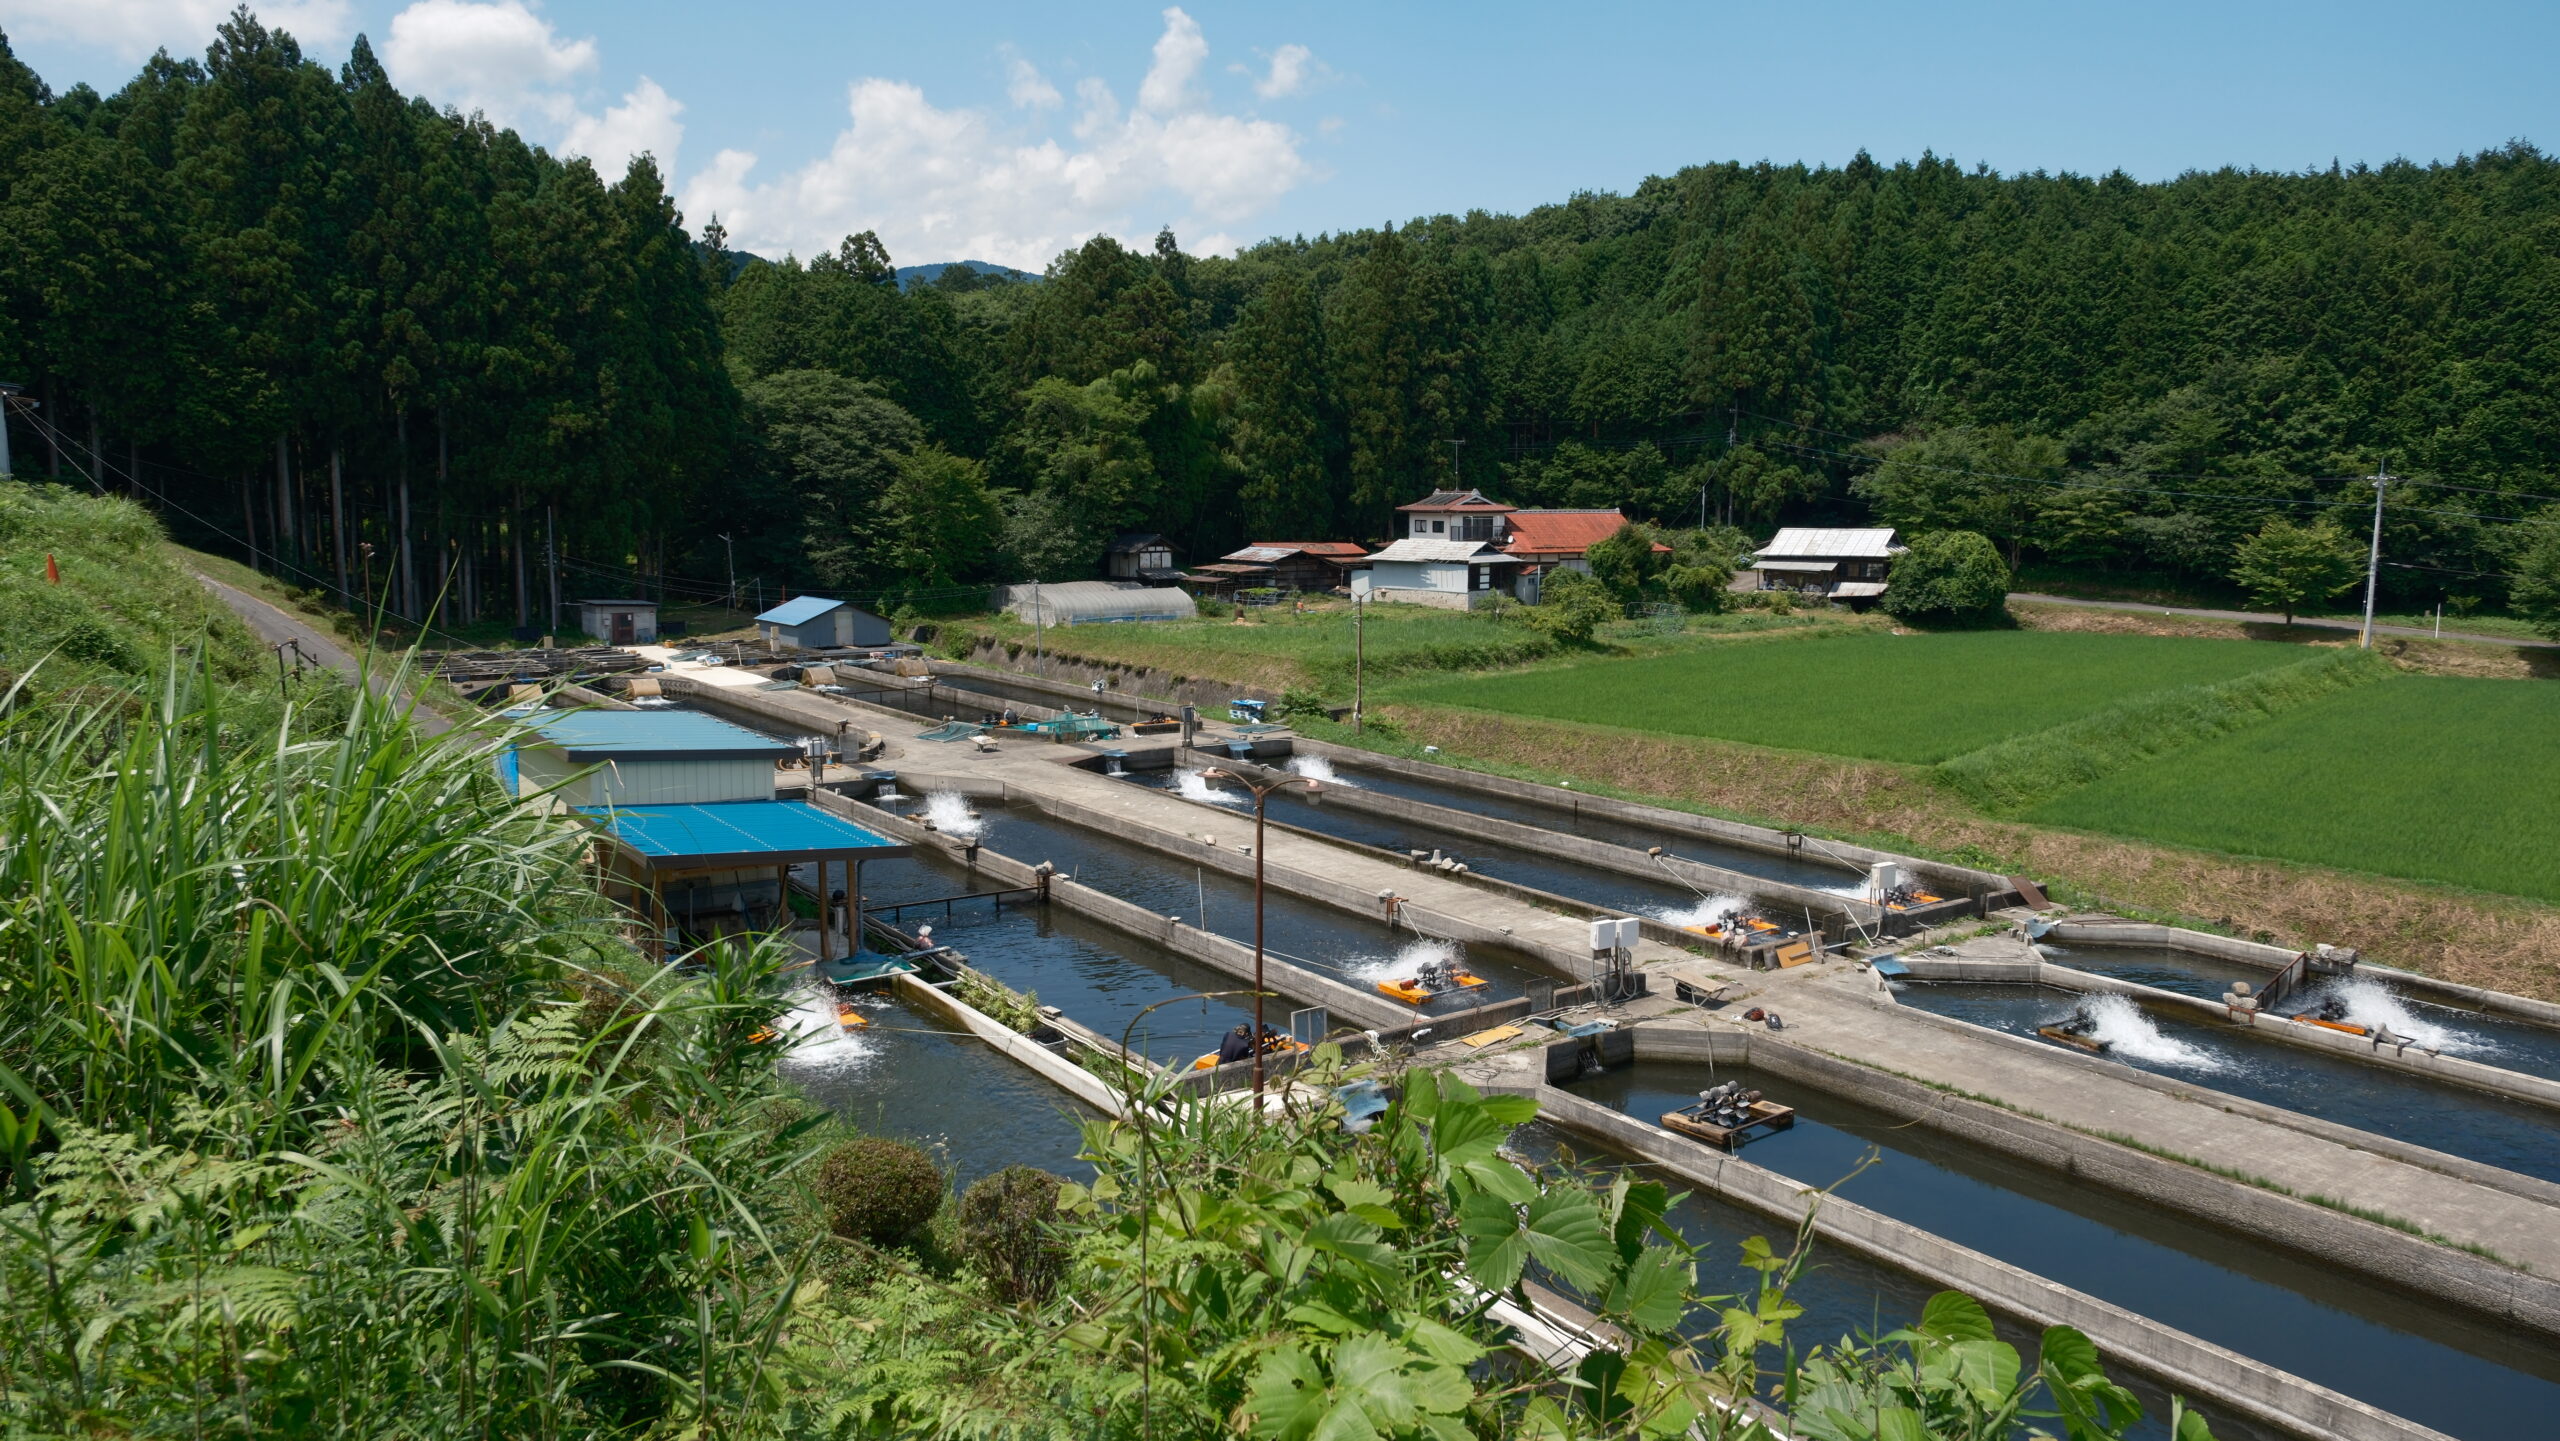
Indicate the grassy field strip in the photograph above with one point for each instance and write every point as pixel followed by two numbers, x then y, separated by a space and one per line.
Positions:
pixel 1278 648
pixel 2014 775
pixel 2429 777
pixel 1918 699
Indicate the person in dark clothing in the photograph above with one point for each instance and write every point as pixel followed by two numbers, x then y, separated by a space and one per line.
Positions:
pixel 1237 1046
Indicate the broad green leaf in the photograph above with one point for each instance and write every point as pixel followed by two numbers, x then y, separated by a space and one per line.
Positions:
pixel 1955 1316
pixel 1496 1248
pixel 1354 1240
pixel 1901 1423
pixel 2191 1426
pixel 1358 1191
pixel 1510 1110
pixel 1288 1398
pixel 1566 1236
pixel 1652 1294
pixel 1502 1179
pixel 1442 1344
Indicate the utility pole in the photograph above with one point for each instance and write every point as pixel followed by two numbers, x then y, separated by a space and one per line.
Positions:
pixel 2373 558
pixel 9 393
pixel 1453 463
pixel 731 550
pixel 551 557
pixel 1359 655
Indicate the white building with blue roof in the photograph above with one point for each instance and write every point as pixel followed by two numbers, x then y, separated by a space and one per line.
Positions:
pixel 813 622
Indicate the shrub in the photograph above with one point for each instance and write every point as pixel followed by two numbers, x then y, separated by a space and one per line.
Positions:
pixel 1005 1232
pixel 1948 575
pixel 1300 701
pixel 1571 605
pixel 878 1190
pixel 97 642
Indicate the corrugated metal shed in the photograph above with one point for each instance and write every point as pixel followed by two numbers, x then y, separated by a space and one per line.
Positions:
pixel 1474 552
pixel 652 735
pixel 1805 542
pixel 799 610
pixel 1858 589
pixel 735 833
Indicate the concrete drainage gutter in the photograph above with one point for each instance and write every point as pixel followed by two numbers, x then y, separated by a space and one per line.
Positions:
pixel 2180 1360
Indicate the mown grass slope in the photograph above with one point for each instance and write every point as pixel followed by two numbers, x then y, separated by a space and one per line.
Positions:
pixel 120 601
pixel 2429 777
pixel 1911 698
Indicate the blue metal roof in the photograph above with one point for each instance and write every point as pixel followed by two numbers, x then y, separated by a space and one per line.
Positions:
pixel 743 832
pixel 653 734
pixel 799 610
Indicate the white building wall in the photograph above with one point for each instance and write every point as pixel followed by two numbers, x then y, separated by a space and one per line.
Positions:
pixel 686 782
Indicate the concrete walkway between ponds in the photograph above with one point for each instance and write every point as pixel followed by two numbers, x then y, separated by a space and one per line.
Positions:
pixel 1840 1012
pixel 1222 837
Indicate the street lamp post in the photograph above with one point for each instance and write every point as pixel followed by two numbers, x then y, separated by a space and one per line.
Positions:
pixel 1261 797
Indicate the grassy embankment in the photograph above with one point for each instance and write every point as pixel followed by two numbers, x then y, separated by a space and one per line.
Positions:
pixel 1279 650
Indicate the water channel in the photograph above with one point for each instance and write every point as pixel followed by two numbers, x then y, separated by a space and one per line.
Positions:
pixel 2426 1362
pixel 2458 1122
pixel 1664 898
pixel 1352 949
pixel 2370 1000
pixel 1810 869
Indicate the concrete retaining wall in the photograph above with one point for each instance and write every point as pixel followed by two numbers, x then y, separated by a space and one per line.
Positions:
pixel 1233 958
pixel 1057 1070
pixel 1600 855
pixel 2184 1362
pixel 1956 879
pixel 2271 959
pixel 2449 1070
pixel 1141 685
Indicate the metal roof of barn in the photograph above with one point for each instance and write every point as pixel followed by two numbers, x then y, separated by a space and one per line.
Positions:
pixel 1858 589
pixel 1806 567
pixel 1455 500
pixel 1810 542
pixel 799 610
pixel 653 735
pixel 736 833
pixel 1331 549
pixel 1474 552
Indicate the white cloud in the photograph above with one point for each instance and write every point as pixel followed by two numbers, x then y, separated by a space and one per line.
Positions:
pixel 132 29
pixel 1031 90
pixel 1179 51
pixel 960 183
pixel 644 123
pixel 1292 68
pixel 500 58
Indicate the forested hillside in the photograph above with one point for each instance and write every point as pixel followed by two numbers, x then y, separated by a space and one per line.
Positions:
pixel 283 292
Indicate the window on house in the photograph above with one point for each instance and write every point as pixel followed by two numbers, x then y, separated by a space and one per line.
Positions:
pixel 1439 526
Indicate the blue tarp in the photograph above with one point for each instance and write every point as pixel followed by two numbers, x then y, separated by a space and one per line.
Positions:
pixel 781 830
pixel 1888 966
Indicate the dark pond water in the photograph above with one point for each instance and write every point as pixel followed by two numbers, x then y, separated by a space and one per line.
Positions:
pixel 2427 1363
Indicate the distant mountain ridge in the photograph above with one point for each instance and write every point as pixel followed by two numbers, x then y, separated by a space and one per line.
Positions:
pixel 911 276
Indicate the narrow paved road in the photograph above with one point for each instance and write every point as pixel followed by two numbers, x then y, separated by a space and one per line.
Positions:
pixel 276 626
pixel 2260 617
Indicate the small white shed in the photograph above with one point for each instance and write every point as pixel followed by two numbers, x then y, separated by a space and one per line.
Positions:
pixel 619 622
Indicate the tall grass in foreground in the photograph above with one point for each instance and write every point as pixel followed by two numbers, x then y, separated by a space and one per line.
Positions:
pixel 334 1105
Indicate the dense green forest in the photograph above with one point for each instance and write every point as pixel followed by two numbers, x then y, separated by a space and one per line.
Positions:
pixel 308 316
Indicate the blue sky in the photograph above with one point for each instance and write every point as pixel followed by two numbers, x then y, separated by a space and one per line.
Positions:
pixel 1009 132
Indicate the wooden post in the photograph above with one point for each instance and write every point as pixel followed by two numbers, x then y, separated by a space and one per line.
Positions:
pixel 852 907
pixel 823 909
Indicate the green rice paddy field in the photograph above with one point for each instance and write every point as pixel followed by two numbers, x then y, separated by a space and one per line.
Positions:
pixel 1912 698
pixel 2428 777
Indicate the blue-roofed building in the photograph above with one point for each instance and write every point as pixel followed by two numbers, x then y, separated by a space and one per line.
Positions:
pixel 813 622
pixel 651 757
pixel 708 869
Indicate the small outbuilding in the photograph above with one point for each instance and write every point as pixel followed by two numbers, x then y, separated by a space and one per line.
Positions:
pixel 619 622
pixel 813 622
pixel 1845 564
pixel 1140 556
pixel 1301 565
pixel 648 757
pixel 1452 574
